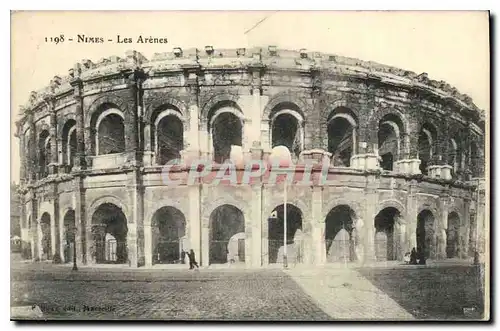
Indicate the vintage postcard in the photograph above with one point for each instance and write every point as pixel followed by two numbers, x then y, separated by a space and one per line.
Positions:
pixel 257 166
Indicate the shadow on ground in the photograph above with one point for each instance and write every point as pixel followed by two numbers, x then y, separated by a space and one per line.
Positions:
pixel 436 293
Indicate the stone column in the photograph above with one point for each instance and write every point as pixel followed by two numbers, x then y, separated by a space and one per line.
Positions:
pixel 22 156
pixel 410 162
pixel 371 197
pixel 148 245
pixel 318 224
pixel 315 129
pixel 265 133
pixel 205 243
pixel 253 128
pixel 442 226
pixel 403 243
pixel 56 225
pixel 35 244
pixel 131 118
pixel 411 214
pixel 81 143
pixel 54 156
pixel 82 252
pixel 32 156
pixel 195 222
pixel 134 217
pixel 480 220
pixel 255 221
pixel 264 232
pixel 192 140
pixel 39 236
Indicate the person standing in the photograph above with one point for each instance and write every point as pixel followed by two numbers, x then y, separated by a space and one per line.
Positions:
pixel 192 260
pixel 413 256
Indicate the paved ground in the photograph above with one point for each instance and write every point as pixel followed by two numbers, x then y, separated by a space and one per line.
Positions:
pixel 171 295
pixel 389 293
pixel 445 292
pixel 345 294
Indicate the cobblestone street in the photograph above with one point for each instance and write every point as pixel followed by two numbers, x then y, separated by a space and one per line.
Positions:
pixel 319 294
pixel 168 294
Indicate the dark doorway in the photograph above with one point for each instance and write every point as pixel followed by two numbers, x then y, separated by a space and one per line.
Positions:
pixel 276 236
pixel 108 224
pixel 340 239
pixel 425 233
pixel 227 227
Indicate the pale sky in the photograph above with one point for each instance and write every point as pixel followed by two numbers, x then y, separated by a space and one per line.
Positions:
pixel 449 46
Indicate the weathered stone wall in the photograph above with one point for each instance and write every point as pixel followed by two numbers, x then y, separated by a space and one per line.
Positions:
pixel 256 82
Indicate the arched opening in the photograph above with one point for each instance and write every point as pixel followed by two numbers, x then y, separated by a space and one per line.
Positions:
pixel 389 146
pixel 286 128
pixel 426 142
pixel 226 131
pixel 44 153
pixel 109 220
pixel 168 136
pixel 453 236
pixel 276 237
pixel 453 156
pixel 227 223
pixel 69 237
pixel 387 245
pixel 69 143
pixel 169 234
pixel 341 136
pixel 46 237
pixel 340 234
pixel 425 233
pixel 110 138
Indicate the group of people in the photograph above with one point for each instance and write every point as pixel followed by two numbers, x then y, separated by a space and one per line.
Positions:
pixel 415 257
pixel 192 259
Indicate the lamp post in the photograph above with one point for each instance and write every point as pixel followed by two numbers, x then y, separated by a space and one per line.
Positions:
pixel 285 241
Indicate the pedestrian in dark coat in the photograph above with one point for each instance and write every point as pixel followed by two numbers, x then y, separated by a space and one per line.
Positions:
pixel 192 260
pixel 413 256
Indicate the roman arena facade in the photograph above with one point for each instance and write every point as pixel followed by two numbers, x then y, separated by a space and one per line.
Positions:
pixel 405 153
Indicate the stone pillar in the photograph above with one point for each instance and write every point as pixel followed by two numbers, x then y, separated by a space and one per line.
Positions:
pixel 411 214
pixel 318 224
pixel 131 118
pixel 205 243
pixel 315 129
pixel 371 197
pixel 62 239
pixel 39 236
pixel 410 162
pixel 264 232
pixel 402 240
pixel 32 156
pixel 195 222
pixel 148 245
pixel 193 141
pixel 480 220
pixel 442 226
pixel 35 245
pixel 265 135
pixel 56 236
pixel 256 228
pixel 22 157
pixel 134 218
pixel 81 142
pixel 253 129
pixel 82 252
pixel 54 156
